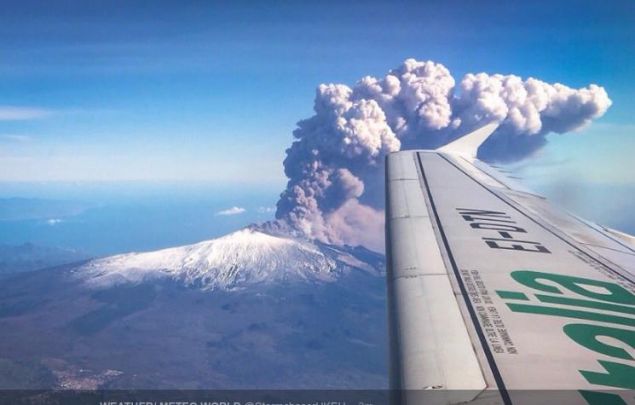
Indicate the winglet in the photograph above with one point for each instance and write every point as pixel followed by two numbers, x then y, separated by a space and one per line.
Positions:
pixel 467 145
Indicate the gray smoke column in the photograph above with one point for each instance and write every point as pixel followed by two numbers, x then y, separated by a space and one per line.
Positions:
pixel 335 164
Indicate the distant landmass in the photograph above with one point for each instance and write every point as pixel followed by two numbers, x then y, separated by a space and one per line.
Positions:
pixel 29 257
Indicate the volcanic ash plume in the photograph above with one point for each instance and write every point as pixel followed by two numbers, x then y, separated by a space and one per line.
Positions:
pixel 335 188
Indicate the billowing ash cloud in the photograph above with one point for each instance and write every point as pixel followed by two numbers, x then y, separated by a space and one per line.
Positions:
pixel 334 166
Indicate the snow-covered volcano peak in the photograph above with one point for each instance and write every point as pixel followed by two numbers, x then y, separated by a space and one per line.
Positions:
pixel 248 256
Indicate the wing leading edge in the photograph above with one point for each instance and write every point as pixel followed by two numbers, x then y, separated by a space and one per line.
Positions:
pixel 493 292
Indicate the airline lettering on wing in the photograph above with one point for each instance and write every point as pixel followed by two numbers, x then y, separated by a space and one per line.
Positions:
pixel 503 231
pixel 602 320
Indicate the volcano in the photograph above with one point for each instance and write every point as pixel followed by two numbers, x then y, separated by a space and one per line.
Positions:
pixel 252 309
pixel 235 261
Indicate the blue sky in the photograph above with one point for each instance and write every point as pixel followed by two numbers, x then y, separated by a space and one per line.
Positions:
pixel 212 90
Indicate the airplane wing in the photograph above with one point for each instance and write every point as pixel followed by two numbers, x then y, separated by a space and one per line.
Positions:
pixel 494 293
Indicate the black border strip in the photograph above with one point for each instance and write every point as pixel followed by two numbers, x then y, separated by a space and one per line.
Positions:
pixel 536 222
pixel 477 326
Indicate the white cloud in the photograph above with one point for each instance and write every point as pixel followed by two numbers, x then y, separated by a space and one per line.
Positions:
pixel 14 113
pixel 266 210
pixel 53 221
pixel 232 211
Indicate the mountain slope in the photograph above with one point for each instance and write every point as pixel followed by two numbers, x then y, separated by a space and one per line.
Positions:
pixel 248 256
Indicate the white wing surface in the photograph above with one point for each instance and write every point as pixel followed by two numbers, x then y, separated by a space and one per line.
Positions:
pixel 495 294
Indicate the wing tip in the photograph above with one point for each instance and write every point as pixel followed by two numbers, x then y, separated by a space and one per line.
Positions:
pixel 468 144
